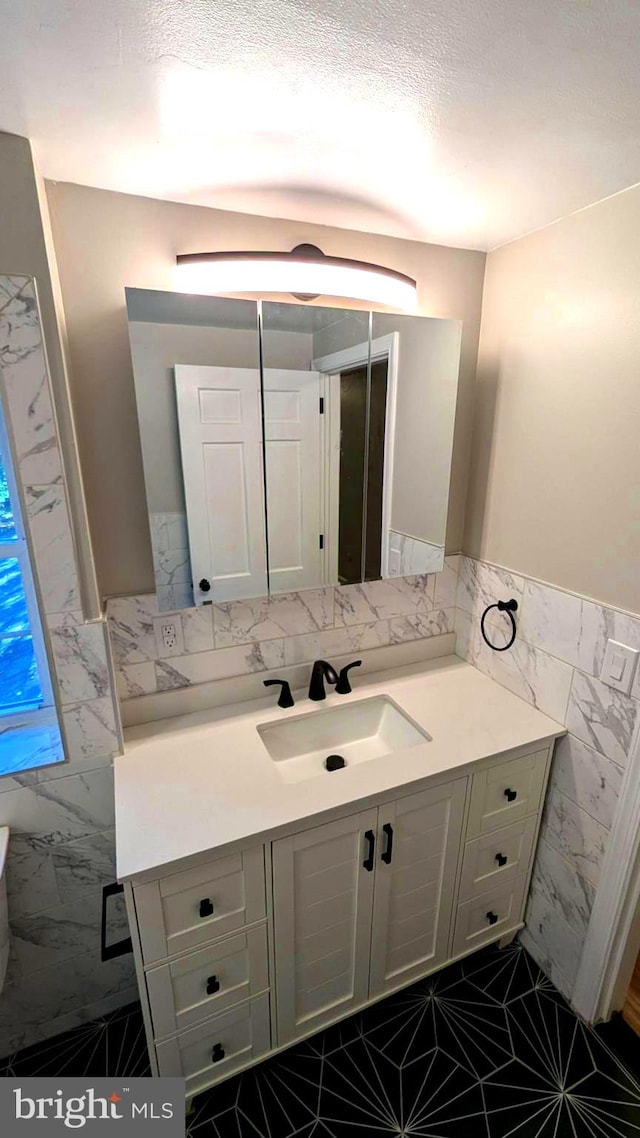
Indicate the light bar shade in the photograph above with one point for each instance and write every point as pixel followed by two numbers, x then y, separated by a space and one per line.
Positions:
pixel 303 274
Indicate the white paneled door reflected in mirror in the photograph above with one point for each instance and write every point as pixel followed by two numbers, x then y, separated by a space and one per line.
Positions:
pixel 318 454
pixel 196 365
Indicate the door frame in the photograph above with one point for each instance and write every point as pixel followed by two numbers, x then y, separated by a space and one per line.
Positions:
pixel 612 942
pixel 360 355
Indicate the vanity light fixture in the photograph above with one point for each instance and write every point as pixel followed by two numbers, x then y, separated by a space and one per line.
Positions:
pixel 305 271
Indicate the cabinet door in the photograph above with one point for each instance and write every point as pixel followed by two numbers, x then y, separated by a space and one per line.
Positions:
pixel 323 896
pixel 418 849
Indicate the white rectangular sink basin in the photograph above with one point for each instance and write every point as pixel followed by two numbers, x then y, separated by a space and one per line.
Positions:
pixel 357 732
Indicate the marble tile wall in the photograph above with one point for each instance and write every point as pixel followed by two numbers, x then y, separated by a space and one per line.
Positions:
pixel 408 556
pixel 554 665
pixel 61 847
pixel 171 560
pixel 239 637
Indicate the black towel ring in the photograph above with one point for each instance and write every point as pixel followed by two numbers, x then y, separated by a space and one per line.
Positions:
pixel 503 606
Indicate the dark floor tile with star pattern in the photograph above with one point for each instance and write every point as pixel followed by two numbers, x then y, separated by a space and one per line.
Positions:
pixel 113 1045
pixel 487 1048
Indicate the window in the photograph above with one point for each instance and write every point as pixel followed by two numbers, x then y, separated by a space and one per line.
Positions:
pixel 29 734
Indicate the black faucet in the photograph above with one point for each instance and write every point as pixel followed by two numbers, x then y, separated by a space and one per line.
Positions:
pixel 320 672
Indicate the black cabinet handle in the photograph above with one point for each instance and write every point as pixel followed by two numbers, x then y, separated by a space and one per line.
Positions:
pixel 510 795
pixel 213 985
pixel 501 859
pixel 492 917
pixel 218 1053
pixel 371 839
pixel 204 585
pixel 206 908
pixel 388 853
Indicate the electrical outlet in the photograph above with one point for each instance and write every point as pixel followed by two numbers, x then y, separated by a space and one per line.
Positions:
pixel 169 635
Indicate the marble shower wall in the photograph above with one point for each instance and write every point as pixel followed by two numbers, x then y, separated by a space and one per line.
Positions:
pixel 239 637
pixel 554 665
pixel 61 848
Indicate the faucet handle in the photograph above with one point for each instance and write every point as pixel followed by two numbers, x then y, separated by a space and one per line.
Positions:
pixel 285 699
pixel 343 687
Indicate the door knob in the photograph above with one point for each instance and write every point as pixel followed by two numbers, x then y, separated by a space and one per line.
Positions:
pixel 206 908
pixel 218 1053
pixel 213 985
pixel 204 585
pixel 510 795
pixel 492 917
pixel 501 859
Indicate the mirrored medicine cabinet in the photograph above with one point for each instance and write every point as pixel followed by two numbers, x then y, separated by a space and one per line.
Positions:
pixel 290 446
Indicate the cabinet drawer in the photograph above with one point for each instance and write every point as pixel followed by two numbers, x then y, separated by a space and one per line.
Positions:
pixel 497 857
pixel 203 983
pixel 474 925
pixel 184 910
pixel 218 1047
pixel 506 792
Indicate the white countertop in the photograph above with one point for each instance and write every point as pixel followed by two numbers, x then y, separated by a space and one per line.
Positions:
pixel 201 781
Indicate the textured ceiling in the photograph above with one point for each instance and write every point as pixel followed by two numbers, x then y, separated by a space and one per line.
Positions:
pixel 467 122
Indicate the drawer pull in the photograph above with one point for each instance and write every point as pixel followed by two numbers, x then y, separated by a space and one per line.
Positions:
pixel 218 1053
pixel 206 908
pixel 501 859
pixel 213 985
pixel 492 917
pixel 510 795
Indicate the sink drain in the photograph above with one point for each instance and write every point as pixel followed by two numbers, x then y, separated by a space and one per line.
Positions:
pixel 334 762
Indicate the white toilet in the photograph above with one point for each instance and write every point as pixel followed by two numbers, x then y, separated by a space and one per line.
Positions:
pixel 4 913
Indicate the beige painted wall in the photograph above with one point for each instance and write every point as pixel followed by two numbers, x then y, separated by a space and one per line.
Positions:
pixel 554 484
pixel 105 241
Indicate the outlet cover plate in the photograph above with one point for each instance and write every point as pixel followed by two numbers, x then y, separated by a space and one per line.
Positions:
pixel 169 635
pixel 618 666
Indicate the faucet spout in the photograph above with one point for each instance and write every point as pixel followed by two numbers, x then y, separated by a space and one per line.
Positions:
pixel 320 672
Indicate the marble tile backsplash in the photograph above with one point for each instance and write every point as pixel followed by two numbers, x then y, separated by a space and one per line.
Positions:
pixel 554 665
pixel 408 556
pixel 61 846
pixel 171 560
pixel 239 637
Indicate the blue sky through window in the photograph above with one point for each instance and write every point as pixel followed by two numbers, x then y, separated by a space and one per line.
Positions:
pixel 20 687
pixel 7 524
pixel 29 732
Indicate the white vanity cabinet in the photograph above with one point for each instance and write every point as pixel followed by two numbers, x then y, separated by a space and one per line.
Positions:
pixel 246 950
